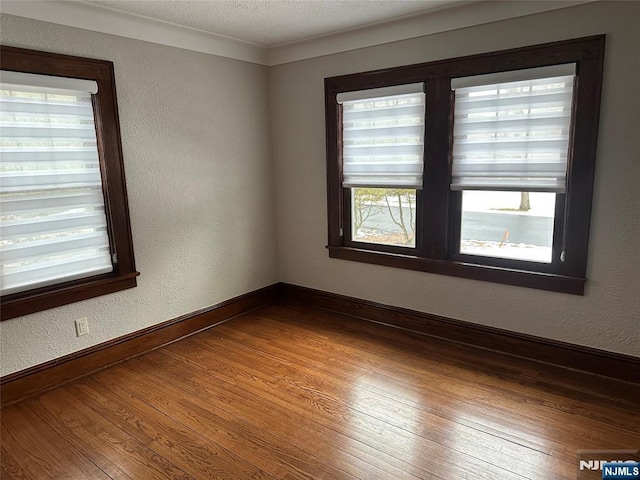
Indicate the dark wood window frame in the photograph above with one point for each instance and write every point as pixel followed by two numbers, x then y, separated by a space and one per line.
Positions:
pixel 113 181
pixel 439 208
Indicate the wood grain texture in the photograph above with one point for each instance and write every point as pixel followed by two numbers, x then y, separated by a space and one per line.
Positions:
pixel 30 381
pixel 292 392
pixel 622 367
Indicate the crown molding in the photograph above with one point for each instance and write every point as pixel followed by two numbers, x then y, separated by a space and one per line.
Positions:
pixel 466 15
pixel 106 20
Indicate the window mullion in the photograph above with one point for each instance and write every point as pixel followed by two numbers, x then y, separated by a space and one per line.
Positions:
pixel 559 228
pixel 435 210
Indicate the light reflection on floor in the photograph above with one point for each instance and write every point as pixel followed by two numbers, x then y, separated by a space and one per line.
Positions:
pixel 422 427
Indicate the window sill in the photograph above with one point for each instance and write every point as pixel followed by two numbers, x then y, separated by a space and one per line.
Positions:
pixel 507 276
pixel 32 301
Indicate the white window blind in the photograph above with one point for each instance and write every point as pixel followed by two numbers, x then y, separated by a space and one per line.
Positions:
pixel 383 137
pixel 511 130
pixel 54 226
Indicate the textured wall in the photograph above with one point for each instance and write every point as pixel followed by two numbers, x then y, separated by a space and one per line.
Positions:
pixel 195 135
pixel 607 317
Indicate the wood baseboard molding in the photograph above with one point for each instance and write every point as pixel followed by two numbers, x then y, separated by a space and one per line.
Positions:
pixel 31 381
pixel 576 357
pixel 25 383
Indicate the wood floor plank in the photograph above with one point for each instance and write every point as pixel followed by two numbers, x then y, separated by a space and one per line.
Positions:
pixel 10 468
pixel 453 359
pixel 360 426
pixel 108 446
pixel 417 418
pixel 510 399
pixel 590 428
pixel 288 392
pixel 393 380
pixel 39 451
pixel 279 439
pixel 188 449
pixel 311 433
pixel 126 387
pixel 541 376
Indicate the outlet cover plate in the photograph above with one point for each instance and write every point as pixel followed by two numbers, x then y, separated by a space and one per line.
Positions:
pixel 82 327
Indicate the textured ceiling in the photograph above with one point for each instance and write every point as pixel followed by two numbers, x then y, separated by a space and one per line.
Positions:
pixel 270 23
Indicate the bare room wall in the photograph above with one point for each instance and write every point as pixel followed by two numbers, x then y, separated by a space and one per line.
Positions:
pixel 606 317
pixel 195 136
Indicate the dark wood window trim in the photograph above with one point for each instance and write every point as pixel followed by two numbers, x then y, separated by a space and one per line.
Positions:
pixel 113 179
pixel 435 250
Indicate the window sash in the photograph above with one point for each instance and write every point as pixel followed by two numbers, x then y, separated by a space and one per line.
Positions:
pixel 383 137
pixel 513 135
pixel 54 225
pixel 32 81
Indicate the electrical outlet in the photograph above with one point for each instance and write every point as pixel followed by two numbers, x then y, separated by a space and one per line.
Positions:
pixel 82 327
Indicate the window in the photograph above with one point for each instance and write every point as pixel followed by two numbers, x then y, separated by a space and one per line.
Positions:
pixel 479 167
pixel 382 155
pixel 65 225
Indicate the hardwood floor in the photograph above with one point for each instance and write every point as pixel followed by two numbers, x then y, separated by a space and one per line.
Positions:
pixel 289 392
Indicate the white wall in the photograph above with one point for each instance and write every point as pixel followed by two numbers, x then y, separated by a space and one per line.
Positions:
pixel 606 317
pixel 195 135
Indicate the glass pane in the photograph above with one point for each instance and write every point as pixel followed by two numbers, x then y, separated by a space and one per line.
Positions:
pixel 516 225
pixel 384 215
pixel 54 225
